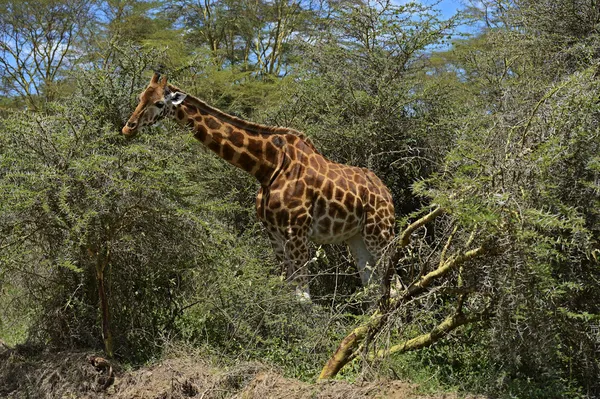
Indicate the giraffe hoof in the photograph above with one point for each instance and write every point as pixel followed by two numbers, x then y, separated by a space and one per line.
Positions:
pixel 302 295
pixel 396 288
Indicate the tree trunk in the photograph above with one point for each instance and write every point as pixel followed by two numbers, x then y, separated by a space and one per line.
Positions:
pixel 101 263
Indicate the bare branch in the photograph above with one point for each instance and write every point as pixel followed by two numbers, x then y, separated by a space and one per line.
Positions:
pixel 438 332
pixel 405 236
pixel 350 345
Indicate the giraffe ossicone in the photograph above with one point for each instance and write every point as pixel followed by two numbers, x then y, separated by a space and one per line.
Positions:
pixel 303 196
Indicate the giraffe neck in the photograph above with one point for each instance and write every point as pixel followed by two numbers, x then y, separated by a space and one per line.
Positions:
pixel 255 148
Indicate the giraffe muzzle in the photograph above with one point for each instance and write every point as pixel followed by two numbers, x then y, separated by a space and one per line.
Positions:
pixel 129 129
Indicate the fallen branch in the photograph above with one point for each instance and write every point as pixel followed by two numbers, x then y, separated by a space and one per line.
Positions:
pixel 347 349
pixel 449 264
pixel 352 343
pixel 441 330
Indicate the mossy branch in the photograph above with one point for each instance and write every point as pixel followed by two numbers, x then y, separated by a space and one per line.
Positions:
pixel 441 330
pixel 450 263
pixel 405 235
pixel 347 349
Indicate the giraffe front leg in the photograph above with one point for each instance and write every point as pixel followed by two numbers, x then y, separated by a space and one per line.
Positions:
pixel 296 260
pixel 365 261
pixel 292 253
pixel 278 245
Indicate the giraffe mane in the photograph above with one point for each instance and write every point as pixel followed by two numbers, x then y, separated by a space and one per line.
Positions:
pixel 252 127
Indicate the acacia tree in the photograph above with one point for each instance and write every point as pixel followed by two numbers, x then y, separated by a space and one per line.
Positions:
pixel 252 34
pixel 37 44
pixel 82 209
pixel 516 249
pixel 124 244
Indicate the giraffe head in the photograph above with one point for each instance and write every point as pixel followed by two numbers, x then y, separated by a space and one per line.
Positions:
pixel 155 103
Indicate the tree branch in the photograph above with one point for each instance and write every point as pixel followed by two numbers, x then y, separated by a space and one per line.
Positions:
pixel 438 332
pixel 347 349
pixel 405 236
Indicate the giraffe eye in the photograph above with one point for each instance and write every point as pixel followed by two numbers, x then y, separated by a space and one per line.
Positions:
pixel 160 104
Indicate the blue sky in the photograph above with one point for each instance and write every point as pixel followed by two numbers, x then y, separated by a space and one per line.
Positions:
pixel 449 7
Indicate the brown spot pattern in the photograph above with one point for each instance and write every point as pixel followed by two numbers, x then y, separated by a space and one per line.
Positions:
pixel 212 123
pixel 236 138
pixel 303 195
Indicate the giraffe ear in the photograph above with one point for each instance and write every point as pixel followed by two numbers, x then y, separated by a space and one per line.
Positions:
pixel 176 98
pixel 163 81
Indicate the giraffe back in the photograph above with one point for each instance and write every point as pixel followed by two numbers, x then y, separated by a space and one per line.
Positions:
pixel 327 201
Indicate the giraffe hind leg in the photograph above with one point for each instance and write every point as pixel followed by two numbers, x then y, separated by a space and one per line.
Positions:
pixel 365 261
pixel 386 257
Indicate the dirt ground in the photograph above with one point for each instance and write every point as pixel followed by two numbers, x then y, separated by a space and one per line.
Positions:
pixel 83 375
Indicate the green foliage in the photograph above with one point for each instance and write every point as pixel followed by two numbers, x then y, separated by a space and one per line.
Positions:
pixel 519 177
pixel 501 130
pixel 169 217
pixel 363 81
pixel 244 313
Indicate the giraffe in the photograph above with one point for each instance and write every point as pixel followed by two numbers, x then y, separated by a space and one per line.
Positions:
pixel 303 196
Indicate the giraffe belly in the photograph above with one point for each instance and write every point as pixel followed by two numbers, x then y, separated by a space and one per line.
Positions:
pixel 325 231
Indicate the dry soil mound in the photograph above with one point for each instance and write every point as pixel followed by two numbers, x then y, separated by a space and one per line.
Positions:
pixel 26 374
